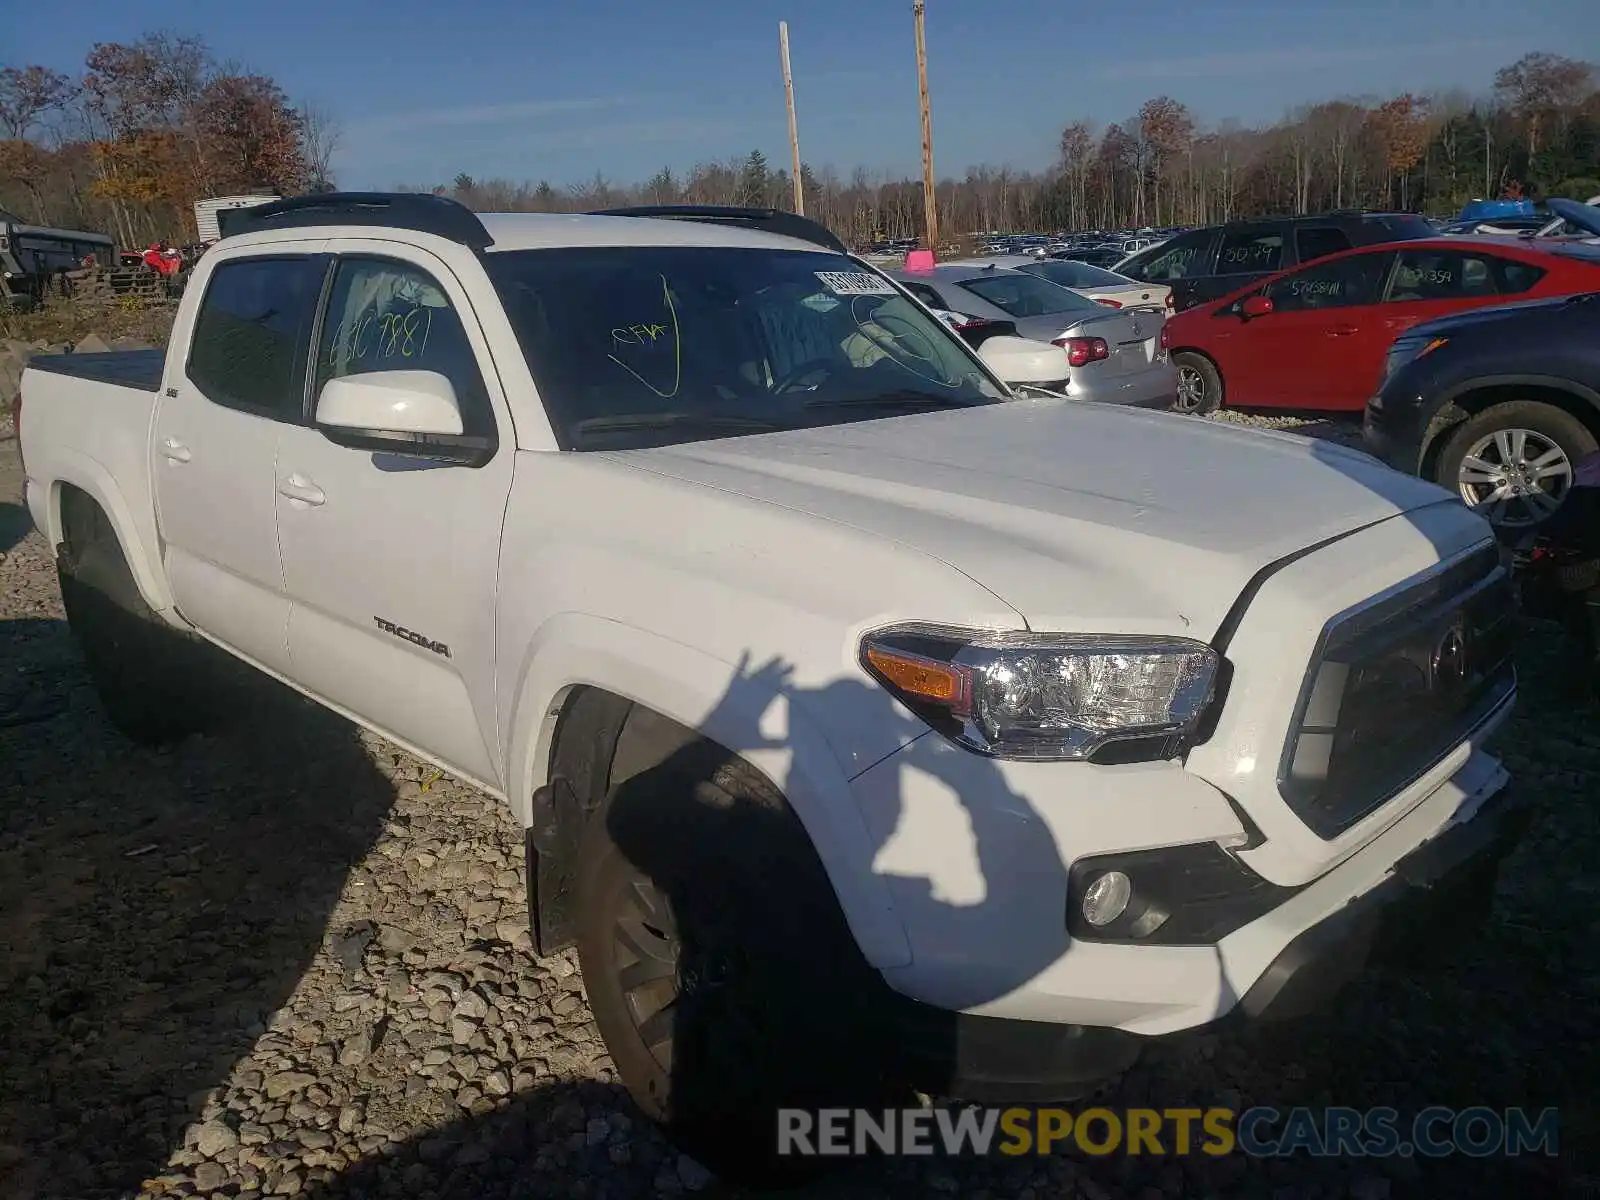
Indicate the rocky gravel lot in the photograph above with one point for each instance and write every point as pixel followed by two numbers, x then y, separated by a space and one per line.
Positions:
pixel 290 959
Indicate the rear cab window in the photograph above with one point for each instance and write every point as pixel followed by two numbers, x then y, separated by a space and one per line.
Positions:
pixel 252 334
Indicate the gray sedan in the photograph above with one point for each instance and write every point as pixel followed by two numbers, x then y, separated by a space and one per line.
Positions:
pixel 1116 357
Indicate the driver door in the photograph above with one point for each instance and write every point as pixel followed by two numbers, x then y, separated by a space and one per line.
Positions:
pixel 1322 347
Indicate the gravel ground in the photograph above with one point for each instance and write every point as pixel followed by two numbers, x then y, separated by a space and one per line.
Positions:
pixel 289 959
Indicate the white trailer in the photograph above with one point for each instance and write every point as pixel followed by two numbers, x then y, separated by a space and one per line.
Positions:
pixel 205 212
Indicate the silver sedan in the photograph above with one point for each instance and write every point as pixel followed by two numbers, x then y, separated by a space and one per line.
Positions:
pixel 1116 357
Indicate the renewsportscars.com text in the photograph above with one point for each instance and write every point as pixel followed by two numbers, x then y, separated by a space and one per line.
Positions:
pixel 1259 1132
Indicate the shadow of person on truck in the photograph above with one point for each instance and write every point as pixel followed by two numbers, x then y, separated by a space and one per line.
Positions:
pixel 157 907
pixel 707 837
pixel 737 985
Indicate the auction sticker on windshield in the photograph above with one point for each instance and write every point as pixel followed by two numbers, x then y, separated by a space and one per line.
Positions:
pixel 855 283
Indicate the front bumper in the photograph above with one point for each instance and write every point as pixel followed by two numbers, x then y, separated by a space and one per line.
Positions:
pixel 1395 426
pixel 1432 900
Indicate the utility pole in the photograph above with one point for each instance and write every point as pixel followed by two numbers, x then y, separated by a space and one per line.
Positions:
pixel 794 128
pixel 930 207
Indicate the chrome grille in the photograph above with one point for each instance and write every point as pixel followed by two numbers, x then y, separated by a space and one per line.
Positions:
pixel 1394 687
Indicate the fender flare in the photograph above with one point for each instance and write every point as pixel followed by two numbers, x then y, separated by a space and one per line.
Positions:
pixel 88 476
pixel 690 686
pixel 1523 379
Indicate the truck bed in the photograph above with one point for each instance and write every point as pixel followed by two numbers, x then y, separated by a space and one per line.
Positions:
pixel 139 369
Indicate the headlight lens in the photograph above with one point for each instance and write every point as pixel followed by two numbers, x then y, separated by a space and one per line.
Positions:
pixel 1047 696
pixel 1408 350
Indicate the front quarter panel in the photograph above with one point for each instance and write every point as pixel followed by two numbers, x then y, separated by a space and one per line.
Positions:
pixel 734 617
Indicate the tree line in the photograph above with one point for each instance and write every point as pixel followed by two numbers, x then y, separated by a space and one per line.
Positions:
pixel 143 131
pixel 151 126
pixel 1536 131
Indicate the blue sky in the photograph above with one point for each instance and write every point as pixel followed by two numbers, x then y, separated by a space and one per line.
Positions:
pixel 533 89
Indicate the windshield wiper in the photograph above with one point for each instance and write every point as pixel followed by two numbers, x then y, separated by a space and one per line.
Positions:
pixel 896 400
pixel 672 419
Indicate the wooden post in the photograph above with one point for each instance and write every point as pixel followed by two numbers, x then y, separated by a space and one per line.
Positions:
pixel 794 127
pixel 930 207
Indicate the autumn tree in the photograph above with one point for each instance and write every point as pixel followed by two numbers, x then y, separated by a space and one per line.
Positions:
pixel 1399 128
pixel 1539 84
pixel 1166 131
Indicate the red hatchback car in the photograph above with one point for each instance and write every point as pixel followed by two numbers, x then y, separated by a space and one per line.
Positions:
pixel 1315 337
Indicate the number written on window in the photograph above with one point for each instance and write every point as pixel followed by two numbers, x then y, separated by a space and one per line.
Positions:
pixel 382 336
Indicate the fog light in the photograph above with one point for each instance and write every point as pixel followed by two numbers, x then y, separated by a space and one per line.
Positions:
pixel 1107 898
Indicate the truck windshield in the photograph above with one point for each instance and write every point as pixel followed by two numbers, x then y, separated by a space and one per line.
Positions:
pixel 636 346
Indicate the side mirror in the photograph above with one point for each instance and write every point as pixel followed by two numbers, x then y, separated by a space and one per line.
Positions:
pixel 413 413
pixel 1024 361
pixel 1256 306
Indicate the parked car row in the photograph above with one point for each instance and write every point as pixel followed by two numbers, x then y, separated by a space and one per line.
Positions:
pixel 1337 313
pixel 1466 355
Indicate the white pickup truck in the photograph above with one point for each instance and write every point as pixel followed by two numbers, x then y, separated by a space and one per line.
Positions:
pixel 872 724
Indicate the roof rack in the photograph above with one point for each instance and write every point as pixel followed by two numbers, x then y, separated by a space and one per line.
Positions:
pixel 772 220
pixel 419 211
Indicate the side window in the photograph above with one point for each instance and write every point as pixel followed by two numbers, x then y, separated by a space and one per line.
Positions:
pixel 391 316
pixel 1516 277
pixel 1182 259
pixel 1312 242
pixel 1343 283
pixel 1250 251
pixel 250 336
pixel 1441 275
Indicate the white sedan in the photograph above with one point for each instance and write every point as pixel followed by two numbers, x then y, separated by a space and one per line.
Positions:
pixel 1093 283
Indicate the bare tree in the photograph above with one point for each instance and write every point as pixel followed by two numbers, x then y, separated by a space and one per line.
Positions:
pixel 319 139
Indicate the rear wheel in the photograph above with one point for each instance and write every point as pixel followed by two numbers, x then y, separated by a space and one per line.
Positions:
pixel 1515 462
pixel 1199 384
pixel 718 964
pixel 144 671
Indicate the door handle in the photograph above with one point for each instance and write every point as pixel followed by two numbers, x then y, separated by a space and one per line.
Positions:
pixel 298 487
pixel 1342 331
pixel 175 451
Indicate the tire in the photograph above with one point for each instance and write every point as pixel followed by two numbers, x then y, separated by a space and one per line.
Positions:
pixel 144 671
pixel 701 898
pixel 1199 384
pixel 1511 494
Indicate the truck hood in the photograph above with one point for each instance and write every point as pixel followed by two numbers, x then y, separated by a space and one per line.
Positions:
pixel 1080 517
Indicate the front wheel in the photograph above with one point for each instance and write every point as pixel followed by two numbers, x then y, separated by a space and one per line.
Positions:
pixel 1199 384
pixel 718 964
pixel 1515 462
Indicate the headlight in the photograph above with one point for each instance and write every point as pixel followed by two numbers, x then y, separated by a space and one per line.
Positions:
pixel 1047 696
pixel 1408 350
